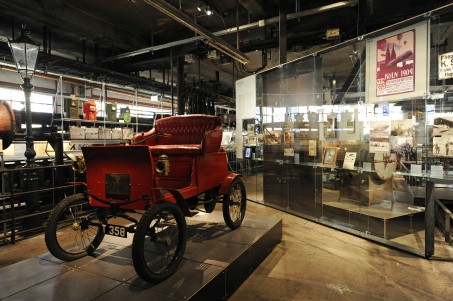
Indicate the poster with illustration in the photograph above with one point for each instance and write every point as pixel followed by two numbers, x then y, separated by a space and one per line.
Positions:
pixel 443 146
pixel 401 128
pixel 288 142
pixel 379 145
pixel 379 128
pixel 395 64
pixel 443 136
pixel 272 137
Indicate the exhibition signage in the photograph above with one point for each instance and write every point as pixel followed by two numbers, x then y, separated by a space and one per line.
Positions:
pixel 395 64
pixel 446 65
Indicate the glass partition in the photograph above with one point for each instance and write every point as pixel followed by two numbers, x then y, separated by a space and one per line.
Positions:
pixel 350 136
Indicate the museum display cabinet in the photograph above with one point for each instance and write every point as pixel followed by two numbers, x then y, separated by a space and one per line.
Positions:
pixel 359 136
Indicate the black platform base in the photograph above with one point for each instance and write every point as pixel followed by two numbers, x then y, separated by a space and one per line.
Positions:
pixel 216 262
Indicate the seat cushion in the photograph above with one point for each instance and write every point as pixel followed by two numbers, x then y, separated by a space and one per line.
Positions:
pixel 176 149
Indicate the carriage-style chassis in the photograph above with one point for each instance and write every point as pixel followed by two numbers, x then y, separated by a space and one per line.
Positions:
pixel 147 188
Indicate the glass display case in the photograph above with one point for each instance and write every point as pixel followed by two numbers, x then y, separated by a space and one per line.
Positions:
pixel 353 135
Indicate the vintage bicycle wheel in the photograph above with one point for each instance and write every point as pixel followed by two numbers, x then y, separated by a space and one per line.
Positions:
pixel 234 204
pixel 73 229
pixel 159 242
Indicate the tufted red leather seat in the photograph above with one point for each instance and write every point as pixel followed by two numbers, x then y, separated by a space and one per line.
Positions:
pixel 189 135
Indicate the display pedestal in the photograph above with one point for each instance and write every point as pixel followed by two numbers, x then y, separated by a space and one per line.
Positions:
pixel 216 262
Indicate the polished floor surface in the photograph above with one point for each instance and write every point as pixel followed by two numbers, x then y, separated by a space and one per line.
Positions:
pixel 314 262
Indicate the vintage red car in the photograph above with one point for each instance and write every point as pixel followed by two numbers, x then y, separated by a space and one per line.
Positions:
pixel 153 183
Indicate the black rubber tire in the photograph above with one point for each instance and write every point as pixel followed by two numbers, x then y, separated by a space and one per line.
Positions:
pixel 234 204
pixel 209 199
pixel 73 229
pixel 159 242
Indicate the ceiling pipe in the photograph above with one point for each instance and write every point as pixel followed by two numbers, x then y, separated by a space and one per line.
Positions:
pixel 207 36
pixel 257 24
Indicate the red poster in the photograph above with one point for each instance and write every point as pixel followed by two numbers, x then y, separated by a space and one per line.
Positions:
pixel 395 57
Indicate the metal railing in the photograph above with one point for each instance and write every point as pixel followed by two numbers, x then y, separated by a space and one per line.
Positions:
pixel 15 220
pixel 444 217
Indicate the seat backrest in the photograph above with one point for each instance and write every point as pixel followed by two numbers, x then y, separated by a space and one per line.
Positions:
pixel 186 129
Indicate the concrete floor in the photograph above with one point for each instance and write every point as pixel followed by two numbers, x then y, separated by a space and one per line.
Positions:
pixel 314 262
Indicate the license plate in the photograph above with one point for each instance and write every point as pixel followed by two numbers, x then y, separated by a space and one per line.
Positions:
pixel 115 230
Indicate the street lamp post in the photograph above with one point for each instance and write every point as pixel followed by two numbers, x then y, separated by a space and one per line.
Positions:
pixel 25 54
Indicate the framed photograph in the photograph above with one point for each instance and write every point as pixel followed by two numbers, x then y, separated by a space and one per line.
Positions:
pixel 350 126
pixel 329 157
pixel 330 128
pixel 248 153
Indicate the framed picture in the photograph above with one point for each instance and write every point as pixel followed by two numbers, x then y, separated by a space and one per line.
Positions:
pixel 329 157
pixel 330 128
pixel 350 126
pixel 248 153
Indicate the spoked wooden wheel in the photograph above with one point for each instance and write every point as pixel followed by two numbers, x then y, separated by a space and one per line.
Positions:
pixel 159 242
pixel 234 204
pixel 73 229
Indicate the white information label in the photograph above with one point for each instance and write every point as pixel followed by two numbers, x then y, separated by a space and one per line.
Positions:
pixel 437 171
pixel 416 169
pixel 446 65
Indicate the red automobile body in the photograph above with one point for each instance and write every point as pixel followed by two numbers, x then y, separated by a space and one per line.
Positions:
pixel 126 175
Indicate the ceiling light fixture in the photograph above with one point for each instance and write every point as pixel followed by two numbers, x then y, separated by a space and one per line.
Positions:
pixel 208 37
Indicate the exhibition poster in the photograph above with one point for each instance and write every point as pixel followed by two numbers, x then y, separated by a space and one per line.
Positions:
pixel 395 70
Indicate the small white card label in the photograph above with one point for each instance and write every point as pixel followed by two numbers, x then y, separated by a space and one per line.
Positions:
pixel 416 169
pixel 349 160
pixel 437 171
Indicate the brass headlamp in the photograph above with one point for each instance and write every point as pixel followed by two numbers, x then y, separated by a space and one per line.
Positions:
pixel 78 165
pixel 163 165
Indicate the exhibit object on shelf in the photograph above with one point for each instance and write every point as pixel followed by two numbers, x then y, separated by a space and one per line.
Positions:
pixel 125 115
pixel 330 128
pixel 350 126
pixel 89 110
pixel 92 133
pixel 288 142
pixel 329 158
pixel 161 177
pixel 349 160
pixel 76 132
pixel 127 133
pixel 110 111
pixel 71 107
pixel 385 165
pixel 105 133
pixel 312 148
pixel 272 137
pixel 117 134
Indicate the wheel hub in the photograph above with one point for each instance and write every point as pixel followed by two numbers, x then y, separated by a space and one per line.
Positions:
pixel 166 240
pixel 75 226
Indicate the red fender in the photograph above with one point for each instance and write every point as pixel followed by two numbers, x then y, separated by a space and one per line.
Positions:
pixel 174 196
pixel 227 182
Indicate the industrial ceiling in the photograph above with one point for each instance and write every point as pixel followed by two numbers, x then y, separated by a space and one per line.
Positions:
pixel 136 42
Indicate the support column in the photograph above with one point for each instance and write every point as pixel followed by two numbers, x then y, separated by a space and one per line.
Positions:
pixel 180 82
pixel 282 44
